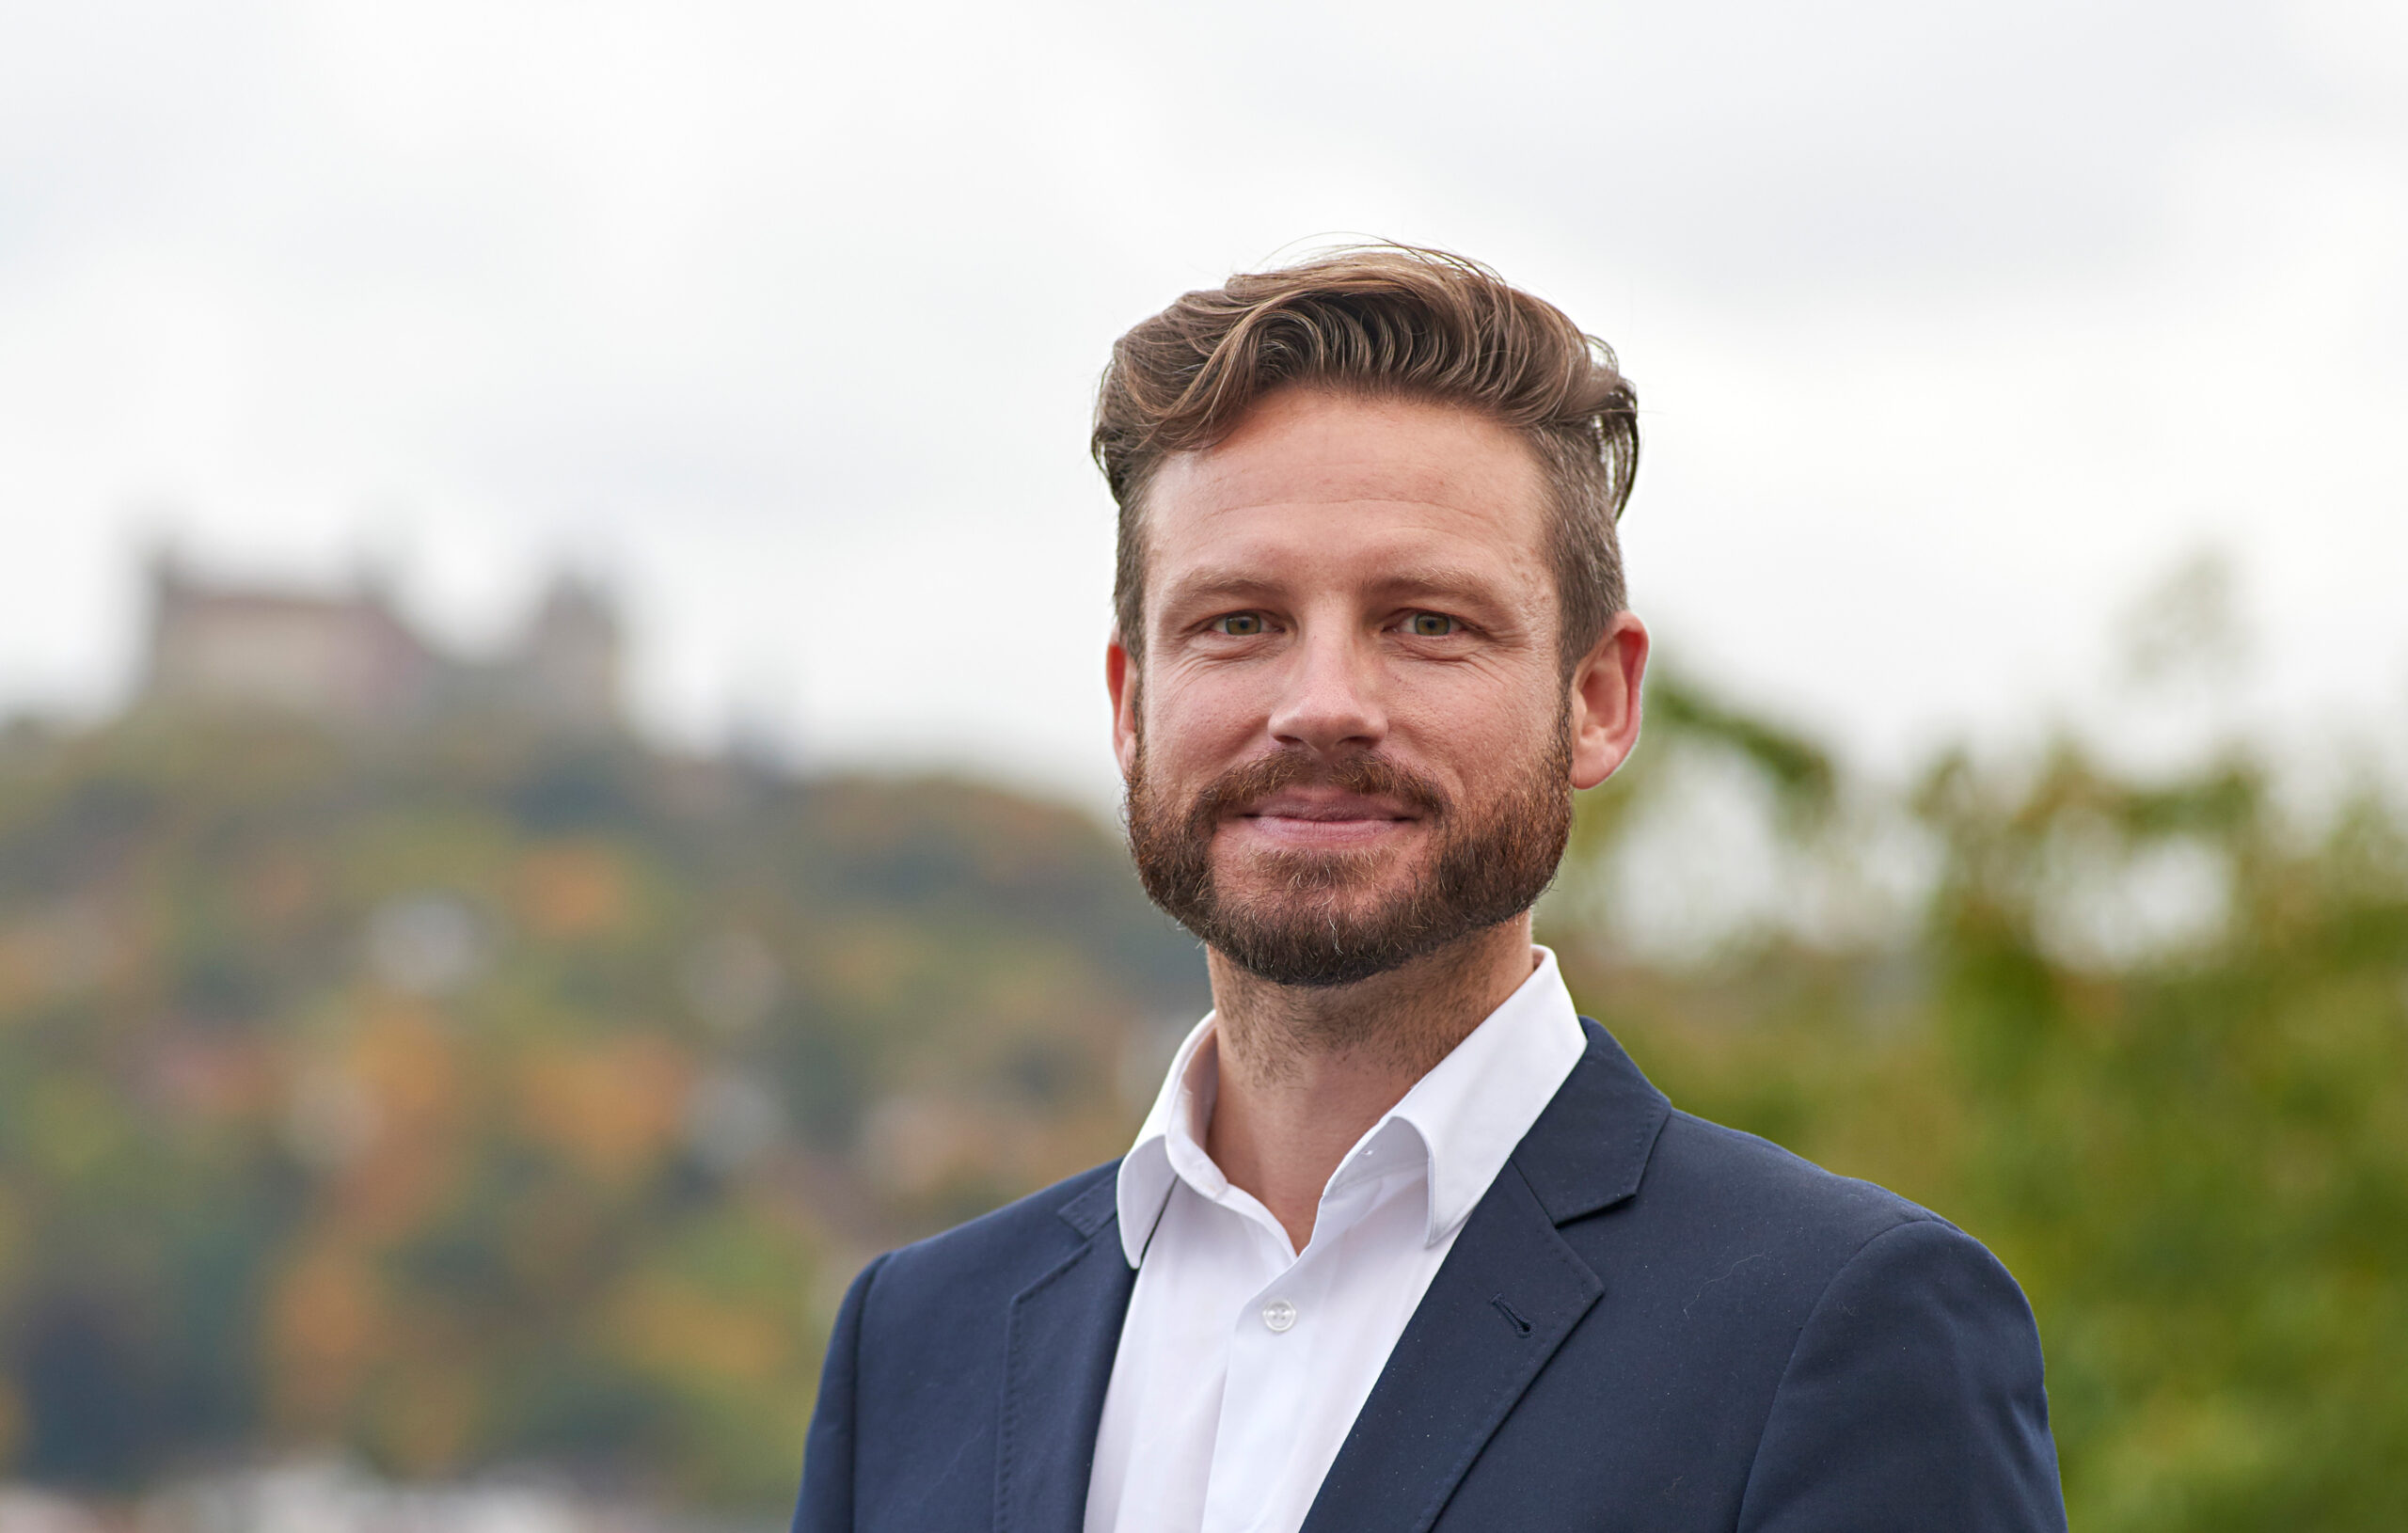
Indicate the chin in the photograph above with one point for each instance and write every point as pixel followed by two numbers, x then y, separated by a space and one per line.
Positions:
pixel 1341 882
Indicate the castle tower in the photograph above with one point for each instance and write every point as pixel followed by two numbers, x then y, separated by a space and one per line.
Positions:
pixel 566 668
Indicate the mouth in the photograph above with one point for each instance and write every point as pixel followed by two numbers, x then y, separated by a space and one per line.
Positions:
pixel 1310 817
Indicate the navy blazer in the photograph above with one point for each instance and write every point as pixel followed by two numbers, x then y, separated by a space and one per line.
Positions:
pixel 1648 1323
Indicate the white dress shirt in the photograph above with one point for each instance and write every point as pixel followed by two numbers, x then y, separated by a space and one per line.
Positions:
pixel 1243 1363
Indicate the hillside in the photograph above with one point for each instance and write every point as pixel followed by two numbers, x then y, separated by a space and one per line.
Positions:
pixel 480 1097
pixel 476 1098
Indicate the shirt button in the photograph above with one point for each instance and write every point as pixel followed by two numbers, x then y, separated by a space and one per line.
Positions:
pixel 1278 1314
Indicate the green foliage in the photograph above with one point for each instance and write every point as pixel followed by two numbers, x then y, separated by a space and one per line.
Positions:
pixel 2190 1145
pixel 481 1098
pixel 478 1097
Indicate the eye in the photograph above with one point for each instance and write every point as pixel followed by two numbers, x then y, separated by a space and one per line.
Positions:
pixel 1239 624
pixel 1431 625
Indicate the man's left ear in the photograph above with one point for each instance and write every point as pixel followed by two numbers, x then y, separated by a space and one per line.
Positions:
pixel 1606 701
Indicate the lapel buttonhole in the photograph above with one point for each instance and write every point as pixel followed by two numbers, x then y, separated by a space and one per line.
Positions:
pixel 1513 1316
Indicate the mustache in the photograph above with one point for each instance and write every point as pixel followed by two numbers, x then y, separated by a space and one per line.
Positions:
pixel 1364 772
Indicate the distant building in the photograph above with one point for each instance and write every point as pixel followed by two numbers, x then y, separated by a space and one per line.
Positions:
pixel 352 658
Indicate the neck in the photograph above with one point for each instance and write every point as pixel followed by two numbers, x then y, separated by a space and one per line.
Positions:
pixel 1305 1072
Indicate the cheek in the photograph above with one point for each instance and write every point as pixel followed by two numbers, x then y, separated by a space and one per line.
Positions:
pixel 1477 734
pixel 1197 716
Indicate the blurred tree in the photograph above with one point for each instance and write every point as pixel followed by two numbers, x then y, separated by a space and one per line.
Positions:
pixel 2148 1041
pixel 477 1096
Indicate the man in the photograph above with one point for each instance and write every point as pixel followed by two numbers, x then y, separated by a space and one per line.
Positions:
pixel 1406 1244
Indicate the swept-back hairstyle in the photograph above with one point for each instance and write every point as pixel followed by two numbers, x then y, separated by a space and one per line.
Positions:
pixel 1383 321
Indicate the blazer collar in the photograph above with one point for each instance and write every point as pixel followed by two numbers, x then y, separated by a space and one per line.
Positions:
pixel 1590 1147
pixel 1508 1294
pixel 1058 1345
pixel 1506 1298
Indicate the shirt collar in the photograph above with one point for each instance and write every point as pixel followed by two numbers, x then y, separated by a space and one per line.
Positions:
pixel 1468 1113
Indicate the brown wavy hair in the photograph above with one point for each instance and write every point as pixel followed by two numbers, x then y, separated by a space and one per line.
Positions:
pixel 1381 321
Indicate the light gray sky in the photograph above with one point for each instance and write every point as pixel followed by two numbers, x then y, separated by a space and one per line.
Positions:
pixel 1954 326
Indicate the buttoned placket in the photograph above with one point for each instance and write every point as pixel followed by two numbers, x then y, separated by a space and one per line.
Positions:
pixel 1276 1336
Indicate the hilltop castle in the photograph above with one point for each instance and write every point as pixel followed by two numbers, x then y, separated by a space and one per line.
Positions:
pixel 352 658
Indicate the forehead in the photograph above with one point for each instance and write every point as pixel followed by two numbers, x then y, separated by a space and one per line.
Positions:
pixel 1317 481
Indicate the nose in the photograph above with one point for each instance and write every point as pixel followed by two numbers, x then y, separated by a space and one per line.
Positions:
pixel 1329 699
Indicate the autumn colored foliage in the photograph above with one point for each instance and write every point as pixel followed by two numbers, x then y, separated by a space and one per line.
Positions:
pixel 481 1097
pixel 484 1097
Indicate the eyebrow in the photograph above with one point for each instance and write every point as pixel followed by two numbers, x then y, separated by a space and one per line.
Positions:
pixel 1444 579
pixel 1208 586
pixel 1421 579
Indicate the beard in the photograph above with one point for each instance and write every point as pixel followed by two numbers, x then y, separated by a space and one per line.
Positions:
pixel 1328 918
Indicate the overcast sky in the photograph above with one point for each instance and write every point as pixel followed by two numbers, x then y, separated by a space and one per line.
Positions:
pixel 1955 326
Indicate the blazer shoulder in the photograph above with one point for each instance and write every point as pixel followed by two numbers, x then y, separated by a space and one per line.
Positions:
pixel 1009 1248
pixel 1735 1243
pixel 1691 1193
pixel 1702 1171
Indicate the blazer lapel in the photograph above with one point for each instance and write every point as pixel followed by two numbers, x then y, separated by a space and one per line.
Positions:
pixel 1059 1342
pixel 1503 1301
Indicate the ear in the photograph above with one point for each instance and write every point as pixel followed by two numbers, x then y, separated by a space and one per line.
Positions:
pixel 1120 680
pixel 1604 700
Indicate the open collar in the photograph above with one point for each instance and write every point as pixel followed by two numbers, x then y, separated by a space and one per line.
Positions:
pixel 1461 1121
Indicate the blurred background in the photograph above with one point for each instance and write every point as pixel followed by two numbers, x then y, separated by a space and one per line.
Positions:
pixel 554 790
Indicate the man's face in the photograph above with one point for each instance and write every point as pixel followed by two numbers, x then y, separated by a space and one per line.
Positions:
pixel 1353 743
